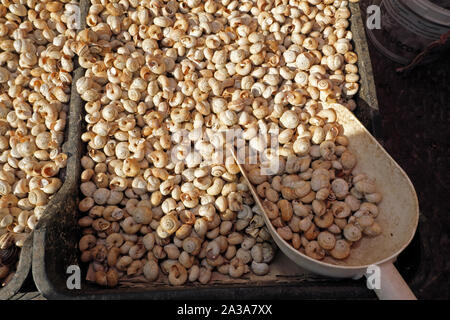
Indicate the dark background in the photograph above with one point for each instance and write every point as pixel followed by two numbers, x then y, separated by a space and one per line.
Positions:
pixel 414 129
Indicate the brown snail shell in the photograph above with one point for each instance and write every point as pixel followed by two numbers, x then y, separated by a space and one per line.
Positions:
pixel 9 256
pixel 6 240
pixel 9 252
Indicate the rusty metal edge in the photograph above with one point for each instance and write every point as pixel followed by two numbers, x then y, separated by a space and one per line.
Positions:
pixel 367 109
pixel 70 187
pixel 61 200
pixel 296 289
pixel 368 91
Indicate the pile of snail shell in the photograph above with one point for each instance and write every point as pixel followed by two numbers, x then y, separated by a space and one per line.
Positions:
pixel 314 201
pixel 162 76
pixel 35 79
pixel 128 237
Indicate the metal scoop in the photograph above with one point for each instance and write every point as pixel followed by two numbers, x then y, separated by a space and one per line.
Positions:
pixel 399 215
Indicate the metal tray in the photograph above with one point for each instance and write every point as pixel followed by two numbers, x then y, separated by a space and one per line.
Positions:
pixel 56 237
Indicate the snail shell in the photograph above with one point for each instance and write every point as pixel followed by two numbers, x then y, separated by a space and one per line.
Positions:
pixel 9 252
pixel 6 241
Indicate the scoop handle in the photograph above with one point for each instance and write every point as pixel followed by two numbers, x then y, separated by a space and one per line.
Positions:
pixel 392 285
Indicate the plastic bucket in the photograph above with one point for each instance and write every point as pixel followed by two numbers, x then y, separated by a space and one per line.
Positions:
pixel 409 26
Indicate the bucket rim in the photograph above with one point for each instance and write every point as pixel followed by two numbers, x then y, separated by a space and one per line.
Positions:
pixel 429 11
